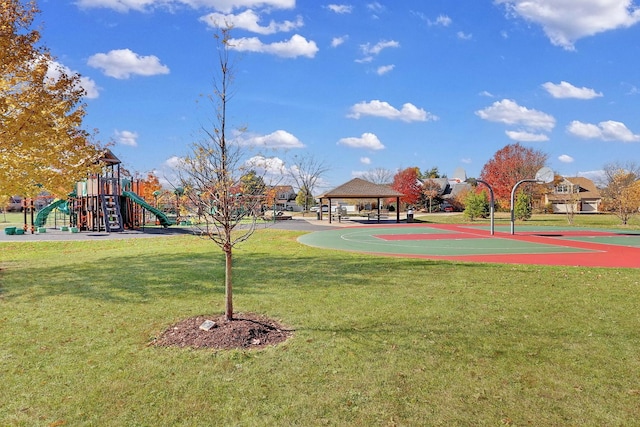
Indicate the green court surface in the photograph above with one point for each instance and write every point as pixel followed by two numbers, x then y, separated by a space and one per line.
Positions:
pixel 529 245
pixel 426 240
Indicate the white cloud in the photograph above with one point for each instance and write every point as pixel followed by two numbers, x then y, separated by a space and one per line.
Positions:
pixel 466 161
pixel 55 70
pixel 340 8
pixel 409 112
pixel 442 20
pixel 375 7
pixel 487 94
pixel 277 139
pixel 292 48
pixel 365 160
pixel 384 69
pixel 464 36
pixel 523 136
pixel 368 49
pixel 607 131
pixel 367 140
pixel 337 41
pixel 268 166
pixel 122 63
pixel 567 90
pixel 566 21
pixel 220 5
pixel 509 112
pixel 249 20
pixel 174 162
pixel 564 158
pixel 126 137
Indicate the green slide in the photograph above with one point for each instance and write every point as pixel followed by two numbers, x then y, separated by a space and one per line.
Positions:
pixel 162 218
pixel 41 218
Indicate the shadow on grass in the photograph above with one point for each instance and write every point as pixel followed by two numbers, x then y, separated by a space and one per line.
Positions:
pixel 141 278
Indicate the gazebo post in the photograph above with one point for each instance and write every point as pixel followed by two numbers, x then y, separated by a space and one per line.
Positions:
pixel 397 210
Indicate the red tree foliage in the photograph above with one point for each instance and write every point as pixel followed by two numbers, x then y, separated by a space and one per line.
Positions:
pixel 406 181
pixel 510 165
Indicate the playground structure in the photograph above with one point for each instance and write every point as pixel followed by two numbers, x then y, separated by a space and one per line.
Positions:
pixel 102 202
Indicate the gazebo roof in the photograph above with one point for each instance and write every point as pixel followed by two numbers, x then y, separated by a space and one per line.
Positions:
pixel 359 188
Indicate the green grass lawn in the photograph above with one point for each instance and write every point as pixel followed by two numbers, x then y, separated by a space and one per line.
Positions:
pixel 378 342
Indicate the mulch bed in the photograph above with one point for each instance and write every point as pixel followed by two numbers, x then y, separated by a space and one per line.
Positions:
pixel 245 331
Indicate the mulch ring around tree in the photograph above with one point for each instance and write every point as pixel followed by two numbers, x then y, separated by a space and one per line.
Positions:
pixel 245 331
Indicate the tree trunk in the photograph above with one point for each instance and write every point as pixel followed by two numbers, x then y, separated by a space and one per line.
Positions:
pixel 228 287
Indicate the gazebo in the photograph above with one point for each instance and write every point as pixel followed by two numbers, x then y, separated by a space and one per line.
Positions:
pixel 359 188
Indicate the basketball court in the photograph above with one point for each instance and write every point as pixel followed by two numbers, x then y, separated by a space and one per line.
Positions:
pixel 468 243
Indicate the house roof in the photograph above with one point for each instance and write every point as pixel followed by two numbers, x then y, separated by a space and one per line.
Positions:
pixel 359 188
pixel 587 187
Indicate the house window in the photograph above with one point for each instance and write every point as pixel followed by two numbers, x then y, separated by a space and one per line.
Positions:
pixel 563 189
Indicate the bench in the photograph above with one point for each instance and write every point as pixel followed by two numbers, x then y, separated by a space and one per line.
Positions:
pixel 375 215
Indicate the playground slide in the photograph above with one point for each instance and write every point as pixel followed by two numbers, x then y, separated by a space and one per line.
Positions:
pixel 162 218
pixel 41 218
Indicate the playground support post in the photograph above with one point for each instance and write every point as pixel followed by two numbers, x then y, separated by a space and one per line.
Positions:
pixel 513 194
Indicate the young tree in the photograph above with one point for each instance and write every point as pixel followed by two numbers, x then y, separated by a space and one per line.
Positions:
pixel 620 194
pixel 522 209
pixel 476 205
pixel 304 199
pixel 42 144
pixel 431 190
pixel 305 172
pixel 211 175
pixel 509 165
pixel 406 181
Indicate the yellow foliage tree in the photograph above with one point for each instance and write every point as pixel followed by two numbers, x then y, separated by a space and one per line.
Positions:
pixel 621 196
pixel 42 144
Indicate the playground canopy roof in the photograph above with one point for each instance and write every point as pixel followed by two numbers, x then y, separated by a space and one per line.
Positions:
pixel 359 188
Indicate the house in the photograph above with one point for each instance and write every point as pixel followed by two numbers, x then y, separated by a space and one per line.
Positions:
pixel 444 191
pixel 285 197
pixel 574 195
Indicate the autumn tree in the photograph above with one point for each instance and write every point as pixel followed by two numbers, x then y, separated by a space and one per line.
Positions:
pixel 42 144
pixel 149 187
pixel 509 165
pixel 431 190
pixel 408 183
pixel 212 175
pixel 621 192
pixel 305 171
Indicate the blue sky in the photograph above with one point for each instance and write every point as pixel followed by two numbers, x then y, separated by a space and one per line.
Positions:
pixel 362 84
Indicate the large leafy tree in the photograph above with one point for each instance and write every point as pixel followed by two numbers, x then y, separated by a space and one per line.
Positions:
pixel 42 144
pixel 621 193
pixel 408 183
pixel 509 165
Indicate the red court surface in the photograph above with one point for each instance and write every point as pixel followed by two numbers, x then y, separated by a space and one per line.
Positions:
pixel 467 243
